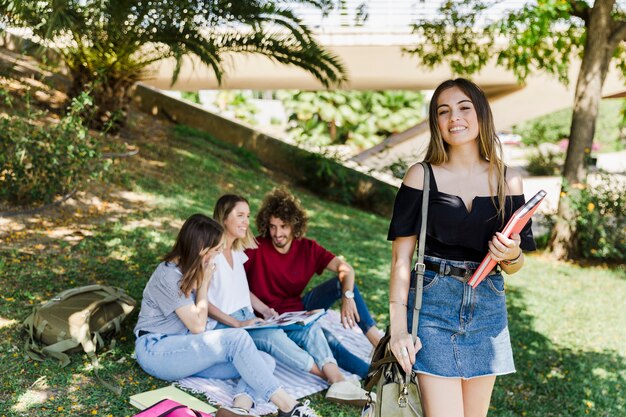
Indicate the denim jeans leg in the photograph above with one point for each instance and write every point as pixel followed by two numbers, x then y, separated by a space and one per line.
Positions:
pixel 312 340
pixel 241 315
pixel 172 357
pixel 346 359
pixel 275 342
pixel 325 295
pixel 280 346
pixel 220 371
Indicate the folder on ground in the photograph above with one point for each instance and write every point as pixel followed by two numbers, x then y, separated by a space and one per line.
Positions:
pixel 146 399
pixel 515 225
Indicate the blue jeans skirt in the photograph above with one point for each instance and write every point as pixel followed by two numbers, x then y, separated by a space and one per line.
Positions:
pixel 464 331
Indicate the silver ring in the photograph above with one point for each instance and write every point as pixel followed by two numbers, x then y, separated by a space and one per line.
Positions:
pixel 404 353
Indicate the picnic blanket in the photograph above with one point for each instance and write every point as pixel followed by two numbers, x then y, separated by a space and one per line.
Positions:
pixel 296 383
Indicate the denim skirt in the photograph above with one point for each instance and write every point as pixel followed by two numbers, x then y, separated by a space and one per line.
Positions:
pixel 464 331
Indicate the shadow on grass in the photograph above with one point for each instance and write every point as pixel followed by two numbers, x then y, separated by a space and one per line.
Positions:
pixel 556 381
pixel 112 256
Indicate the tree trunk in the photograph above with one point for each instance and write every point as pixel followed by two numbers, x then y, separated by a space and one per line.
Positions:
pixel 593 71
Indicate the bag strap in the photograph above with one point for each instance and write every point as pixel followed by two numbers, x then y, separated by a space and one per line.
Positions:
pixel 172 410
pixel 419 265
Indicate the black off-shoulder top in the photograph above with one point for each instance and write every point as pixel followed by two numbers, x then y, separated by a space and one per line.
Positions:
pixel 453 232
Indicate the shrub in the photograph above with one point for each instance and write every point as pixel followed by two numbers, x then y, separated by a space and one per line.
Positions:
pixel 545 161
pixel 360 119
pixel 601 218
pixel 41 158
pixel 555 126
pixel 327 177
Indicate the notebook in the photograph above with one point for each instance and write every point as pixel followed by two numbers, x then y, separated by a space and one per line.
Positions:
pixel 144 400
pixel 290 320
pixel 515 224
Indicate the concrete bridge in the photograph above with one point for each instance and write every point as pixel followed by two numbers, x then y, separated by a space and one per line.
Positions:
pixel 374 59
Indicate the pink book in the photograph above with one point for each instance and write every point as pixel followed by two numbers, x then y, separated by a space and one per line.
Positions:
pixel 515 224
pixel 171 408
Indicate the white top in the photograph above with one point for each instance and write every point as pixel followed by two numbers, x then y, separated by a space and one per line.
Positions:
pixel 229 289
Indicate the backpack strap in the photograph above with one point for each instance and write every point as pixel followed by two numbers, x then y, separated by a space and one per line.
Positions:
pixel 31 347
pixel 57 350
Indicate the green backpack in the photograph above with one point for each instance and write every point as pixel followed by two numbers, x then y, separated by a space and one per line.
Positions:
pixel 76 319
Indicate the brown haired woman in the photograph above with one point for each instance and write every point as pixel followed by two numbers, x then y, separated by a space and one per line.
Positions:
pixel 463 341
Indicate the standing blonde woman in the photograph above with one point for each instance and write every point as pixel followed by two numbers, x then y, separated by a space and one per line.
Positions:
pixel 463 339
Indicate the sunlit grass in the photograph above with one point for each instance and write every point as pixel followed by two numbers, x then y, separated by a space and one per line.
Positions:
pixel 566 321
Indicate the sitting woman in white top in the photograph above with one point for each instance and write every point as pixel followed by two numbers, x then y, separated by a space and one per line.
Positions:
pixel 231 304
pixel 172 338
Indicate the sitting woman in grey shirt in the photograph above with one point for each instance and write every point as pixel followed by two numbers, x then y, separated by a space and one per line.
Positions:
pixel 172 340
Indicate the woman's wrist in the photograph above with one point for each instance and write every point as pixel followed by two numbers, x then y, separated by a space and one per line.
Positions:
pixel 397 302
pixel 513 261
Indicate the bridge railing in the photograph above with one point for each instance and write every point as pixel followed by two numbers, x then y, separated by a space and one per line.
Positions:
pixel 384 16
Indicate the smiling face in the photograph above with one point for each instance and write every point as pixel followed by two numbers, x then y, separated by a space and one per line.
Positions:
pixel 281 234
pixel 237 222
pixel 456 117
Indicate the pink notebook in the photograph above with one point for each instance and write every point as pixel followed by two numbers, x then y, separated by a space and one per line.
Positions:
pixel 171 408
pixel 515 224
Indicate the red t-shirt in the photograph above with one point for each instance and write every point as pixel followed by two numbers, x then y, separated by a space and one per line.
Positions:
pixel 279 279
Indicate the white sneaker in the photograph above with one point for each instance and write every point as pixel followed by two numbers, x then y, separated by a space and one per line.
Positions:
pixel 347 392
pixel 354 380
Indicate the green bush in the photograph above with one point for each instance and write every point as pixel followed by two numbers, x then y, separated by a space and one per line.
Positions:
pixel 327 177
pixel 41 158
pixel 545 162
pixel 601 219
pixel 553 127
pixel 360 119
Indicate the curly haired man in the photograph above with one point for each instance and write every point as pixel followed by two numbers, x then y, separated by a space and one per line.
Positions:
pixel 281 267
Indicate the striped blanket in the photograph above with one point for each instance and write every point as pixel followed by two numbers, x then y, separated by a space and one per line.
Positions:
pixel 296 383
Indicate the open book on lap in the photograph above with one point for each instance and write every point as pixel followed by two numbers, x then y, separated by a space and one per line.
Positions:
pixel 290 320
pixel 515 225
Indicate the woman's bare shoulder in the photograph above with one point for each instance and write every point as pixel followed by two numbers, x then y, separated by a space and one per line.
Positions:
pixel 414 176
pixel 514 180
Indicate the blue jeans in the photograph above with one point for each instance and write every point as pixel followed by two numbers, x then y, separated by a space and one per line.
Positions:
pixel 220 354
pixel 324 296
pixel 280 345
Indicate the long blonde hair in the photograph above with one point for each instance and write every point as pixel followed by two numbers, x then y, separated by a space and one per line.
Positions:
pixel 224 206
pixel 199 232
pixel 489 145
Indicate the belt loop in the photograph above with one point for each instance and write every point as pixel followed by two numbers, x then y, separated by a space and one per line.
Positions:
pixel 444 269
pixel 468 274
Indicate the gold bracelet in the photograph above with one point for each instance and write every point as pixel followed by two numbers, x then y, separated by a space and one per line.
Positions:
pixel 397 302
pixel 513 261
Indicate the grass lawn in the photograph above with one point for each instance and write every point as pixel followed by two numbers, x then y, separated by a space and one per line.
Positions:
pixel 566 321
